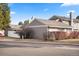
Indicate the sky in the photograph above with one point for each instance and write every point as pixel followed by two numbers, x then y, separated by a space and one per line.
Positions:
pixel 24 11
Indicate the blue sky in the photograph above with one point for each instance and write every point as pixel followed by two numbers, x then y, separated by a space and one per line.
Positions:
pixel 24 11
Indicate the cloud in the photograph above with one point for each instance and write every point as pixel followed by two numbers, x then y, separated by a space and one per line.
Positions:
pixel 73 11
pixel 69 2
pixel 46 9
pixel 10 4
pixel 12 12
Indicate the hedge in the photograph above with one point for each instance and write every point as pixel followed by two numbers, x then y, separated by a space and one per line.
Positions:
pixel 60 35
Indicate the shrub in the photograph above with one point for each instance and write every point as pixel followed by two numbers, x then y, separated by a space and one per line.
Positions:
pixel 45 36
pixel 60 35
pixel 74 35
pixel 65 35
pixel 28 33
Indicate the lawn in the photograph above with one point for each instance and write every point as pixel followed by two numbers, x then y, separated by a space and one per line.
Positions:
pixel 74 41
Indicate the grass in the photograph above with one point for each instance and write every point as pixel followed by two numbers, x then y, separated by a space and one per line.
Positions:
pixel 74 41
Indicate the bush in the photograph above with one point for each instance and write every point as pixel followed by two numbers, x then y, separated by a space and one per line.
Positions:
pixel 51 36
pixel 59 35
pixel 74 35
pixel 45 36
pixel 28 33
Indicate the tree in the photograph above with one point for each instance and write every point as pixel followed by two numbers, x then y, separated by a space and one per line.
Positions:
pixel 54 17
pixel 1 18
pixel 20 23
pixel 26 22
pixel 4 16
pixel 77 17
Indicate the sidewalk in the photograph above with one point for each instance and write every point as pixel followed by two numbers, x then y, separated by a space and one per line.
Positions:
pixel 57 42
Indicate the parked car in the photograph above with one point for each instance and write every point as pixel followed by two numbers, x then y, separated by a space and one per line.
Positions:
pixel 1 33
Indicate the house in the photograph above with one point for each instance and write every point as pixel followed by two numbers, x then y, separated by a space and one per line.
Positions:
pixel 70 21
pixel 12 31
pixel 41 27
pixel 75 23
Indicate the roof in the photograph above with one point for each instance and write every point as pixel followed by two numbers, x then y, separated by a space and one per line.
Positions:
pixel 74 20
pixel 59 17
pixel 15 27
pixel 63 18
pixel 51 23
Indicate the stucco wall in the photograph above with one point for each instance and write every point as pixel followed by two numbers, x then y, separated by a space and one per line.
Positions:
pixel 76 26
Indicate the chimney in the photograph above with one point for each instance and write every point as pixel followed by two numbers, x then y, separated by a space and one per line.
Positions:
pixel 71 20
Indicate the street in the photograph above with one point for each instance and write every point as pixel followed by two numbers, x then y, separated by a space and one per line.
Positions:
pixel 29 48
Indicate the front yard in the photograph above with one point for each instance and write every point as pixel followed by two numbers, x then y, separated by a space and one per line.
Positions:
pixel 73 41
pixel 65 41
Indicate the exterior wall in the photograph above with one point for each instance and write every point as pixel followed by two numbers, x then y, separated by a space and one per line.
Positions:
pixel 39 32
pixel 51 29
pixel 66 22
pixel 13 34
pixel 76 26
pixel 58 29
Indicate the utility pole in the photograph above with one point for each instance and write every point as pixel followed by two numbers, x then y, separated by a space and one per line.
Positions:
pixel 71 20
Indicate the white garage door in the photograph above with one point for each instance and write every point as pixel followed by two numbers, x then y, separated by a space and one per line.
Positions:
pixel 13 34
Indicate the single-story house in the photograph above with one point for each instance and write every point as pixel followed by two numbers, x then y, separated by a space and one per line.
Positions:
pixel 12 31
pixel 41 27
pixel 68 20
pixel 75 23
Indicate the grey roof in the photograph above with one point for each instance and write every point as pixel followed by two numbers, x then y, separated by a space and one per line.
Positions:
pixel 74 20
pixel 53 23
pixel 59 17
pixel 63 18
pixel 15 27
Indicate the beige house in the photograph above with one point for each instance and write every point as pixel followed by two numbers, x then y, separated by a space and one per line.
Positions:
pixel 41 27
pixel 75 23
pixel 12 31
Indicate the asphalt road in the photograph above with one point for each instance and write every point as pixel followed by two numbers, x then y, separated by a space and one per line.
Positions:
pixel 15 48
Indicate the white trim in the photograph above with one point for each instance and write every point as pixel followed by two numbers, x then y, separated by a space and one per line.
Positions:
pixel 36 26
pixel 50 30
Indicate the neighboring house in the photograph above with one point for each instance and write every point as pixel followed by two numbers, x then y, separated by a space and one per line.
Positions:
pixel 12 31
pixel 75 23
pixel 41 27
